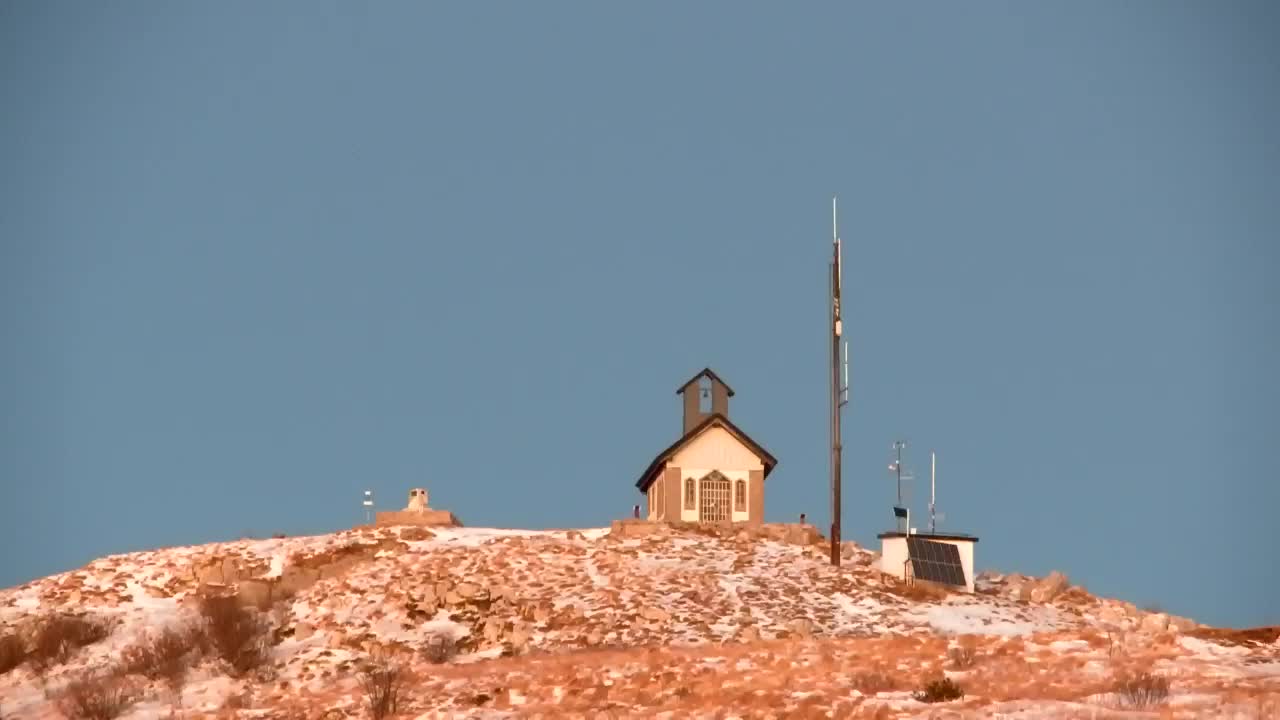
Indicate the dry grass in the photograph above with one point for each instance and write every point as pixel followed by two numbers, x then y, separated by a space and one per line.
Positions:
pixel 878 712
pixel 13 652
pixel 870 682
pixel 381 685
pixel 1097 638
pixel 1249 637
pixel 1141 690
pixel 762 677
pixel 97 696
pixel 1013 647
pixel 55 638
pixel 918 591
pixel 242 700
pixel 1007 677
pixel 240 637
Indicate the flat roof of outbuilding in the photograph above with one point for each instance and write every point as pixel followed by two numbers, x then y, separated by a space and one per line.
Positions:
pixel 929 536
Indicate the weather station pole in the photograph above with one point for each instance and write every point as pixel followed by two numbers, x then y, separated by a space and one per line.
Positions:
pixel 839 389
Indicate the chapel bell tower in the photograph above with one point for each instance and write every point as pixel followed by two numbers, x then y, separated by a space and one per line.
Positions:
pixel 705 394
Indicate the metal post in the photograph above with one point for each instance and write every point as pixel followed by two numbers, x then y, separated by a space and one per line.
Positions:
pixel 831 427
pixel 835 440
pixel 836 393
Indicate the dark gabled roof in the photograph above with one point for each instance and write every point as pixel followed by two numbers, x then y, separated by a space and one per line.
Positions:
pixel 708 373
pixel 714 419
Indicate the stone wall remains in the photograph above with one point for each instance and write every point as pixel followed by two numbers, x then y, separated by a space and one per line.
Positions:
pixel 417 517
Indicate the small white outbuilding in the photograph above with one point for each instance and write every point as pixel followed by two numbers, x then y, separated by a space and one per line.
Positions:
pixel 896 556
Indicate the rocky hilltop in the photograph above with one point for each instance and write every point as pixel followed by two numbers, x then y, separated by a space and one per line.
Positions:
pixel 637 621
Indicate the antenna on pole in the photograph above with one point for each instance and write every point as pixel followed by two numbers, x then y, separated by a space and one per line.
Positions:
pixel 933 490
pixel 900 473
pixel 835 237
pixel 844 386
pixel 368 507
pixel 895 467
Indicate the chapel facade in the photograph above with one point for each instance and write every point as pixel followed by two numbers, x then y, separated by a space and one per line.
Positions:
pixel 715 472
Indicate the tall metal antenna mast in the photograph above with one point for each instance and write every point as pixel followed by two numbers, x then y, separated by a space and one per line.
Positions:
pixel 839 381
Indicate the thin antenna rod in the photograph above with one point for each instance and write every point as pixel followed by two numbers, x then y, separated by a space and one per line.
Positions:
pixel 844 389
pixel 898 446
pixel 835 237
pixel 933 489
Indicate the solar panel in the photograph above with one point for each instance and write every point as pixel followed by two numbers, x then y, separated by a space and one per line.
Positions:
pixel 935 561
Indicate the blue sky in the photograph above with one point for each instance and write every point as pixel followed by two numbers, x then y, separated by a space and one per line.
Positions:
pixel 256 258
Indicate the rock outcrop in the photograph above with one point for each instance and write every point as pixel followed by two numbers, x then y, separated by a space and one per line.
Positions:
pixel 1049 588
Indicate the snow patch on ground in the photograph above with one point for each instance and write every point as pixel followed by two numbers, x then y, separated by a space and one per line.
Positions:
pixel 1068 645
pixel 277 565
pixel 1208 649
pixel 964 617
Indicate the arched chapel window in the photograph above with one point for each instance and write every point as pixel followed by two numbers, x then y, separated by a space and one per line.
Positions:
pixel 690 491
pixel 740 495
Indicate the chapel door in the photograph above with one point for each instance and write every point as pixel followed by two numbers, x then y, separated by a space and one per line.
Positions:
pixel 714 492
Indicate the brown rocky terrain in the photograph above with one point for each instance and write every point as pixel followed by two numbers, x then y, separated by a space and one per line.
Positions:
pixel 641 621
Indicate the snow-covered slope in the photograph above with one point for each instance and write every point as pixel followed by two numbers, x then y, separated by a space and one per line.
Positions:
pixel 564 623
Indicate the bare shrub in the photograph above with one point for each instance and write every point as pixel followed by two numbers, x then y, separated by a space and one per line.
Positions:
pixel 1115 643
pixel 440 648
pixel 165 656
pixel 381 684
pixel 870 682
pixel 962 657
pixel 56 637
pixel 940 690
pixel 1142 690
pixel 97 696
pixel 13 651
pixel 237 635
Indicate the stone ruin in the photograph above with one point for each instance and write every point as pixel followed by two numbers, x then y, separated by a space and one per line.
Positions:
pixel 418 500
pixel 417 512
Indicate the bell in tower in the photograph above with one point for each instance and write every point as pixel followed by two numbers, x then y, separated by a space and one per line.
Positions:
pixel 705 394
